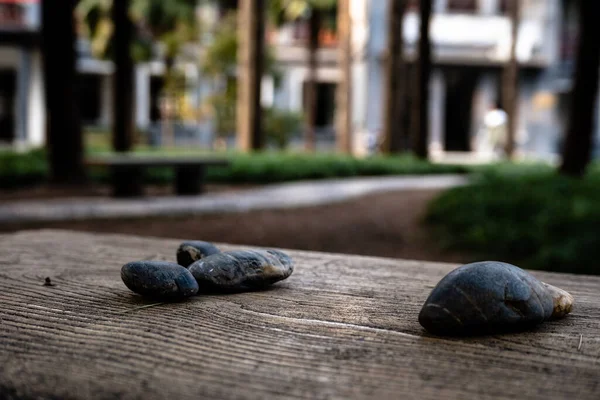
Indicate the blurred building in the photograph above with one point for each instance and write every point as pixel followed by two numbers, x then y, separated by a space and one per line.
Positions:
pixel 471 42
pixel 22 110
pixel 21 91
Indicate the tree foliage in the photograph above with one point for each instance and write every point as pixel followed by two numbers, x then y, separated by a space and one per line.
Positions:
pixel 282 10
pixel 170 23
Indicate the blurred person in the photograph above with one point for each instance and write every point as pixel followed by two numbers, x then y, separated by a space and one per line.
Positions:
pixel 494 137
pixel 373 141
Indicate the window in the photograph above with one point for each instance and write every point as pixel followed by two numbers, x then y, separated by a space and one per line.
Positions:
pixel 503 6
pixel 11 14
pixel 456 6
pixel 412 5
pixel 462 6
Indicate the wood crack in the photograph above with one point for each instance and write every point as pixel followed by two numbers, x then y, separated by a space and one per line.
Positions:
pixel 308 321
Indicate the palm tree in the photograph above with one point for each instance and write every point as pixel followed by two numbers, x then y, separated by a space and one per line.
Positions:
pixel 578 143
pixel 63 125
pixel 511 78
pixel 251 36
pixel 421 112
pixel 394 95
pixel 343 104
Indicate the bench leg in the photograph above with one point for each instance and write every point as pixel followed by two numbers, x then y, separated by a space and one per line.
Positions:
pixel 127 181
pixel 189 180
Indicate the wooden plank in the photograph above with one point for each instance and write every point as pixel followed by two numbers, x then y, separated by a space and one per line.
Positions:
pixel 339 327
pixel 153 161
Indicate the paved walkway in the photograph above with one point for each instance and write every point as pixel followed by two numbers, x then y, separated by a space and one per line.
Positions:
pixel 288 195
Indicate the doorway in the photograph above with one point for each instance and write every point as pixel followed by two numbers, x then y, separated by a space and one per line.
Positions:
pixel 8 79
pixel 460 88
pixel 324 104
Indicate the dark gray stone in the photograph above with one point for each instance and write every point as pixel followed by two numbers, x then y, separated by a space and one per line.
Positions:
pixel 241 269
pixel 487 297
pixel 194 250
pixel 159 279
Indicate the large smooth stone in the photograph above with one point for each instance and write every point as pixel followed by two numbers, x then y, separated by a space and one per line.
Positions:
pixel 159 279
pixel 489 297
pixel 242 269
pixel 194 250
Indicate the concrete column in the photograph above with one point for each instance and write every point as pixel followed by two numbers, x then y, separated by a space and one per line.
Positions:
pixel 281 93
pixel 142 96
pixel 22 96
pixel 524 99
pixel 106 96
pixel 437 112
pixel 440 6
pixel 295 89
pixel 36 110
pixel 360 93
pixel 267 91
pixel 489 7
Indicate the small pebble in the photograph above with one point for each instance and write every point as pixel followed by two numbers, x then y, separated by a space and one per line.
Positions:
pixel 194 250
pixel 242 269
pixel 490 297
pixel 159 279
pixel 48 281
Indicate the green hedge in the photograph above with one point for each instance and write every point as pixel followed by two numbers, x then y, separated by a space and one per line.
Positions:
pixel 26 168
pixel 21 169
pixel 532 217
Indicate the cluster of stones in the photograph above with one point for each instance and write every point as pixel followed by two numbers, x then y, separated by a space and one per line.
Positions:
pixel 491 297
pixel 483 297
pixel 201 267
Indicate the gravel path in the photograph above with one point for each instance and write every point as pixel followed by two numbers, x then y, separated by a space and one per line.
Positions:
pixel 283 196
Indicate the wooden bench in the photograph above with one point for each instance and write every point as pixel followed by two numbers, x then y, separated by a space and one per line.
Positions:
pixel 127 172
pixel 341 327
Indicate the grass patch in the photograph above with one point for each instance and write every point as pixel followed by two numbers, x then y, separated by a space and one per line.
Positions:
pixel 526 215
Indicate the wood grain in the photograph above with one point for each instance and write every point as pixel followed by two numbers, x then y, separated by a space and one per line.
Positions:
pixel 339 327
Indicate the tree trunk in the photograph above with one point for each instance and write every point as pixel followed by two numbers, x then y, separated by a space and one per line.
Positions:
pixel 421 112
pixel 123 125
pixel 511 81
pixel 251 36
pixel 395 91
pixel 63 124
pixel 311 80
pixel 344 88
pixel 578 144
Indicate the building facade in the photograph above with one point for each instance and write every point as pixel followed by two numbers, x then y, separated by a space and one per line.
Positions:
pixel 471 41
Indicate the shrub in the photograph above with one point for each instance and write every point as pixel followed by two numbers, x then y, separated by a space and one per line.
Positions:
pixel 280 126
pixel 535 219
pixel 20 169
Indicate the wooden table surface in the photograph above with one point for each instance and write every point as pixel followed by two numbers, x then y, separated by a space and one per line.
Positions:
pixel 340 327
